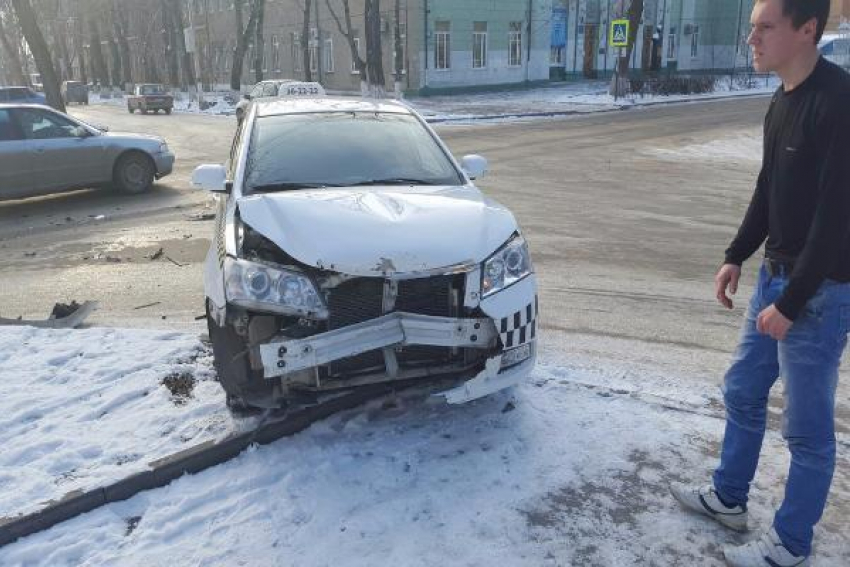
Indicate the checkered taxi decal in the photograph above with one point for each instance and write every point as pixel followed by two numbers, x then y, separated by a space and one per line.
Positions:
pixel 521 327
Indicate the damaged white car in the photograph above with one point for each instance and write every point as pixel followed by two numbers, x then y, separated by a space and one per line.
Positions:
pixel 350 248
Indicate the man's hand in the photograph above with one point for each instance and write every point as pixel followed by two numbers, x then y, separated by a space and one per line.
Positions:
pixel 727 277
pixel 772 322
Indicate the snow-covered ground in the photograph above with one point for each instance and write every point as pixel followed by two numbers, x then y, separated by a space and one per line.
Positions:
pixel 557 98
pixel 568 469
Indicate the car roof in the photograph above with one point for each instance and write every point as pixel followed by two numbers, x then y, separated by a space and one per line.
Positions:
pixel 307 105
pixel 5 105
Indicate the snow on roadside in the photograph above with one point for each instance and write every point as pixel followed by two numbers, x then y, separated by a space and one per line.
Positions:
pixel 738 148
pixel 568 469
pixel 83 408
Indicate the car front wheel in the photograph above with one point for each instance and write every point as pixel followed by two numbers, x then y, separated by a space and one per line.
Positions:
pixel 235 376
pixel 131 110
pixel 134 173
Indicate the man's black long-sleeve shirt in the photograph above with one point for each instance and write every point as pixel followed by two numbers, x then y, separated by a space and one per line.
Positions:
pixel 801 203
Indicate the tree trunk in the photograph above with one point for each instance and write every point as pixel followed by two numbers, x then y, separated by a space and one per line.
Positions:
pixel 259 46
pixel 305 42
pixel 119 24
pixel 10 56
pixel 79 52
pixel 619 83
pixel 242 37
pixel 40 52
pixel 185 57
pixel 115 59
pixel 398 50
pixel 374 53
pixel 96 54
pixel 348 33
pixel 169 41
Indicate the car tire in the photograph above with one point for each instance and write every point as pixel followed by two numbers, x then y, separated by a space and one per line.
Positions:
pixel 133 173
pixel 144 111
pixel 240 114
pixel 131 110
pixel 168 111
pixel 233 369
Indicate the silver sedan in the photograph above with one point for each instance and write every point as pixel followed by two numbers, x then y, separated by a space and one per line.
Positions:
pixel 44 151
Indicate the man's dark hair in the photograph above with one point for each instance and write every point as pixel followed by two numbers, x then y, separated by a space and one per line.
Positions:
pixel 801 11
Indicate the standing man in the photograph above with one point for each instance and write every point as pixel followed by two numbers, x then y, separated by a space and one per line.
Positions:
pixel 797 322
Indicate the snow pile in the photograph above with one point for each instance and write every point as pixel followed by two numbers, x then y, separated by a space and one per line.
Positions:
pixel 739 148
pixel 568 469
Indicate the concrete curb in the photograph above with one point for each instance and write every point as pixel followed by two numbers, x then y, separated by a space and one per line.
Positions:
pixel 188 461
pixel 557 113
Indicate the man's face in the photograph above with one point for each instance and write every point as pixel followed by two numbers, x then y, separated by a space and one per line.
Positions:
pixel 774 41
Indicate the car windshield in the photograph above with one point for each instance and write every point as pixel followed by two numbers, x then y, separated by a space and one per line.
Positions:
pixel 338 149
pixel 152 89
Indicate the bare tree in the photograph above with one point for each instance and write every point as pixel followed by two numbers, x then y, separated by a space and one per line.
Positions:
pixel 120 29
pixel 170 44
pixel 635 14
pixel 98 63
pixel 305 42
pixel 8 49
pixel 185 57
pixel 259 44
pixel 40 52
pixel 350 35
pixel 374 52
pixel 398 51
pixel 242 37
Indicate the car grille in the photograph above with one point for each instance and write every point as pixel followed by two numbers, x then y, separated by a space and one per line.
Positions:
pixel 361 299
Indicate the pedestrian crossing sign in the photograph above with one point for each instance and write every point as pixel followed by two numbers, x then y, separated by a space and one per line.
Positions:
pixel 619 33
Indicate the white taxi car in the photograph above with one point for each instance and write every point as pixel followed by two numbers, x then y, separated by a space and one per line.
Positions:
pixel 350 248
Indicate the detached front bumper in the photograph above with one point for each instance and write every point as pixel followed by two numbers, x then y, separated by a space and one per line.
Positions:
pixel 505 334
pixel 392 330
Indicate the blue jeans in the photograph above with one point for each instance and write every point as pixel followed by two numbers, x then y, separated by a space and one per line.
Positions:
pixel 808 360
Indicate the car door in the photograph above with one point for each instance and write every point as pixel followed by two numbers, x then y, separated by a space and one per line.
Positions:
pixel 12 147
pixel 61 153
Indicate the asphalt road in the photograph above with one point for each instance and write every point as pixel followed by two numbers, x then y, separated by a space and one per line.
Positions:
pixel 625 243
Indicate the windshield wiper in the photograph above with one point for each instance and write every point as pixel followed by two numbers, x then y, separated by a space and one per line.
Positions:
pixel 394 181
pixel 286 186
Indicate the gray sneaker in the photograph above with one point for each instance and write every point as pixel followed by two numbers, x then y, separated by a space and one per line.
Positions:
pixel 767 551
pixel 704 500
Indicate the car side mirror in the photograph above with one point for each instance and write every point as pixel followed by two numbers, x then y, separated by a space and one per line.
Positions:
pixel 101 128
pixel 246 96
pixel 474 166
pixel 211 177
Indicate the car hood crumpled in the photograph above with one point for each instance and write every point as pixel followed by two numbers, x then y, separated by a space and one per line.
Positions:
pixel 381 231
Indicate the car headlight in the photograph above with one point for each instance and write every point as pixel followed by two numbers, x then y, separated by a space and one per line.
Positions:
pixel 259 286
pixel 163 148
pixel 507 266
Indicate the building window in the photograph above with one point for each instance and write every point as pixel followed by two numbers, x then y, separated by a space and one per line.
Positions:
pixel 695 41
pixel 329 55
pixel 442 45
pixel 515 45
pixel 357 50
pixel 275 54
pixel 297 58
pixel 479 45
pixel 671 45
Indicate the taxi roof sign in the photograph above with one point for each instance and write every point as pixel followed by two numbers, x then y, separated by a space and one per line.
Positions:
pixel 619 33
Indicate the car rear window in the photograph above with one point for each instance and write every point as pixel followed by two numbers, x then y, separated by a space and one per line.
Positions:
pixel 152 90
pixel 19 93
